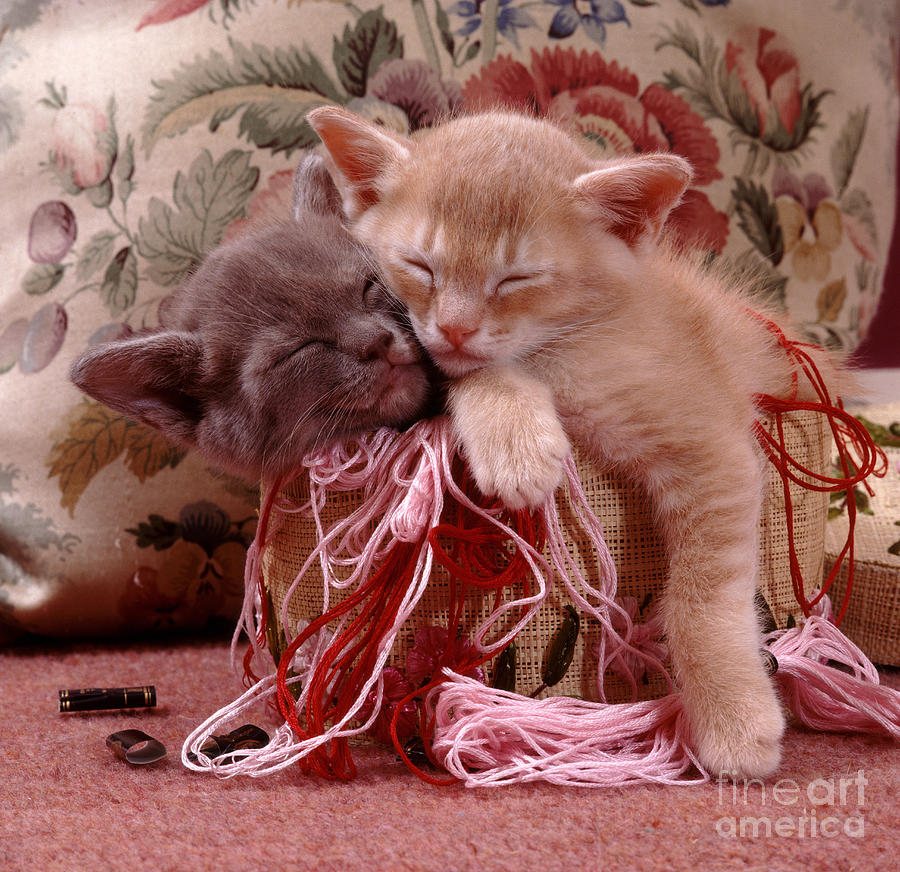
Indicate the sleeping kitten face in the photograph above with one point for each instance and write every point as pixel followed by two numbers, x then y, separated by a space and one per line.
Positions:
pixel 282 340
pixel 495 258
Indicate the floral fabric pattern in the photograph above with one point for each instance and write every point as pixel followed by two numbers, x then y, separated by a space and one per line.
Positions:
pixel 139 135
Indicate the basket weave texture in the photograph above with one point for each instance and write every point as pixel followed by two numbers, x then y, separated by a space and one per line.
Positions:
pixel 872 619
pixel 634 545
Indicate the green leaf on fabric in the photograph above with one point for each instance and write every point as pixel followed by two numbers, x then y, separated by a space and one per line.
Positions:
pixel 780 139
pixel 274 89
pixel 125 170
pixel 472 50
pixel 206 200
pixel 100 195
pixel 147 452
pixel 758 218
pixel 363 48
pixel 442 20
pixel 97 252
pixel 93 437
pixel 118 289
pixel 881 435
pixel 846 147
pixel 861 498
pixel 156 532
pixel 857 204
pixel 42 277
pixel 62 175
pixel 58 97
pixel 681 37
pixel 739 109
pixel 703 87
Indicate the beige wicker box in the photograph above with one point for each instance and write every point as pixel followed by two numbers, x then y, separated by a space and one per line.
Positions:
pixel 872 619
pixel 636 550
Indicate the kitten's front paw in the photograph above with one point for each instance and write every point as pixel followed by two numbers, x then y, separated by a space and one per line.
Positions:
pixel 522 466
pixel 747 745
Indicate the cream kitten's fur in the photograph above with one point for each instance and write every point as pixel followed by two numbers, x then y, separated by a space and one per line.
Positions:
pixel 534 277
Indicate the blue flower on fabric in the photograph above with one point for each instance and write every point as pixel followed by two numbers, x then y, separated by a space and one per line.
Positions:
pixel 592 15
pixel 508 18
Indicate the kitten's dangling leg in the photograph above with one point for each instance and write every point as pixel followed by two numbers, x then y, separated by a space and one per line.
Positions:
pixel 510 433
pixel 710 526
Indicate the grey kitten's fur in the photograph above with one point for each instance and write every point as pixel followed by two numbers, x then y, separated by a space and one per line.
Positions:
pixel 280 341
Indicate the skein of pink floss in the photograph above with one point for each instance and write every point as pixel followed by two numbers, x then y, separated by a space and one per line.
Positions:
pixel 481 735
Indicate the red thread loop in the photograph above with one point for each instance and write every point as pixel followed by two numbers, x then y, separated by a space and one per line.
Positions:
pixel 850 438
pixel 475 554
pixel 337 680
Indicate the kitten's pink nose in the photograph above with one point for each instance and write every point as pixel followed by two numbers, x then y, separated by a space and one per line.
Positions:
pixel 455 334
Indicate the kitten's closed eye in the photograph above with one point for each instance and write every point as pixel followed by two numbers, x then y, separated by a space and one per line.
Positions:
pixel 512 283
pixel 418 268
pixel 372 292
pixel 304 346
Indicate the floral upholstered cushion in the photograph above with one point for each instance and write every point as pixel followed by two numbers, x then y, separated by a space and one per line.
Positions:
pixel 135 136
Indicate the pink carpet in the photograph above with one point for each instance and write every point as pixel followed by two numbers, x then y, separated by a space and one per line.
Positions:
pixel 68 803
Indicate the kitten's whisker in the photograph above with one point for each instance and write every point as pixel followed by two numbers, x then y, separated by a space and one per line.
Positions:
pixel 278 452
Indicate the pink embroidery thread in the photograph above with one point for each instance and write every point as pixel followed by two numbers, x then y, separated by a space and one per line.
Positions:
pixel 484 736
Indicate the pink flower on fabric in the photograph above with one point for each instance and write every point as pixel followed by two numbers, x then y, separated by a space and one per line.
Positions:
pixel 769 74
pixel 396 688
pixel 429 655
pixel 811 222
pixel 80 144
pixel 51 232
pixel 604 102
pixel 416 88
pixel 164 11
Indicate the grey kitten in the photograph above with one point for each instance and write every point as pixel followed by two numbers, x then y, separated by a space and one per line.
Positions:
pixel 280 341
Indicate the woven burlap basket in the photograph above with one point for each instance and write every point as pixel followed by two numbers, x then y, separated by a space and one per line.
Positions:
pixel 872 619
pixel 633 543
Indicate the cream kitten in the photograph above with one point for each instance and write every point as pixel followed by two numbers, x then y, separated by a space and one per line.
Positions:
pixel 535 278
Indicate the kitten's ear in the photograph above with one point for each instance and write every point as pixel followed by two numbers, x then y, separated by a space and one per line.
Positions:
pixel 314 189
pixel 146 378
pixel 361 153
pixel 633 197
